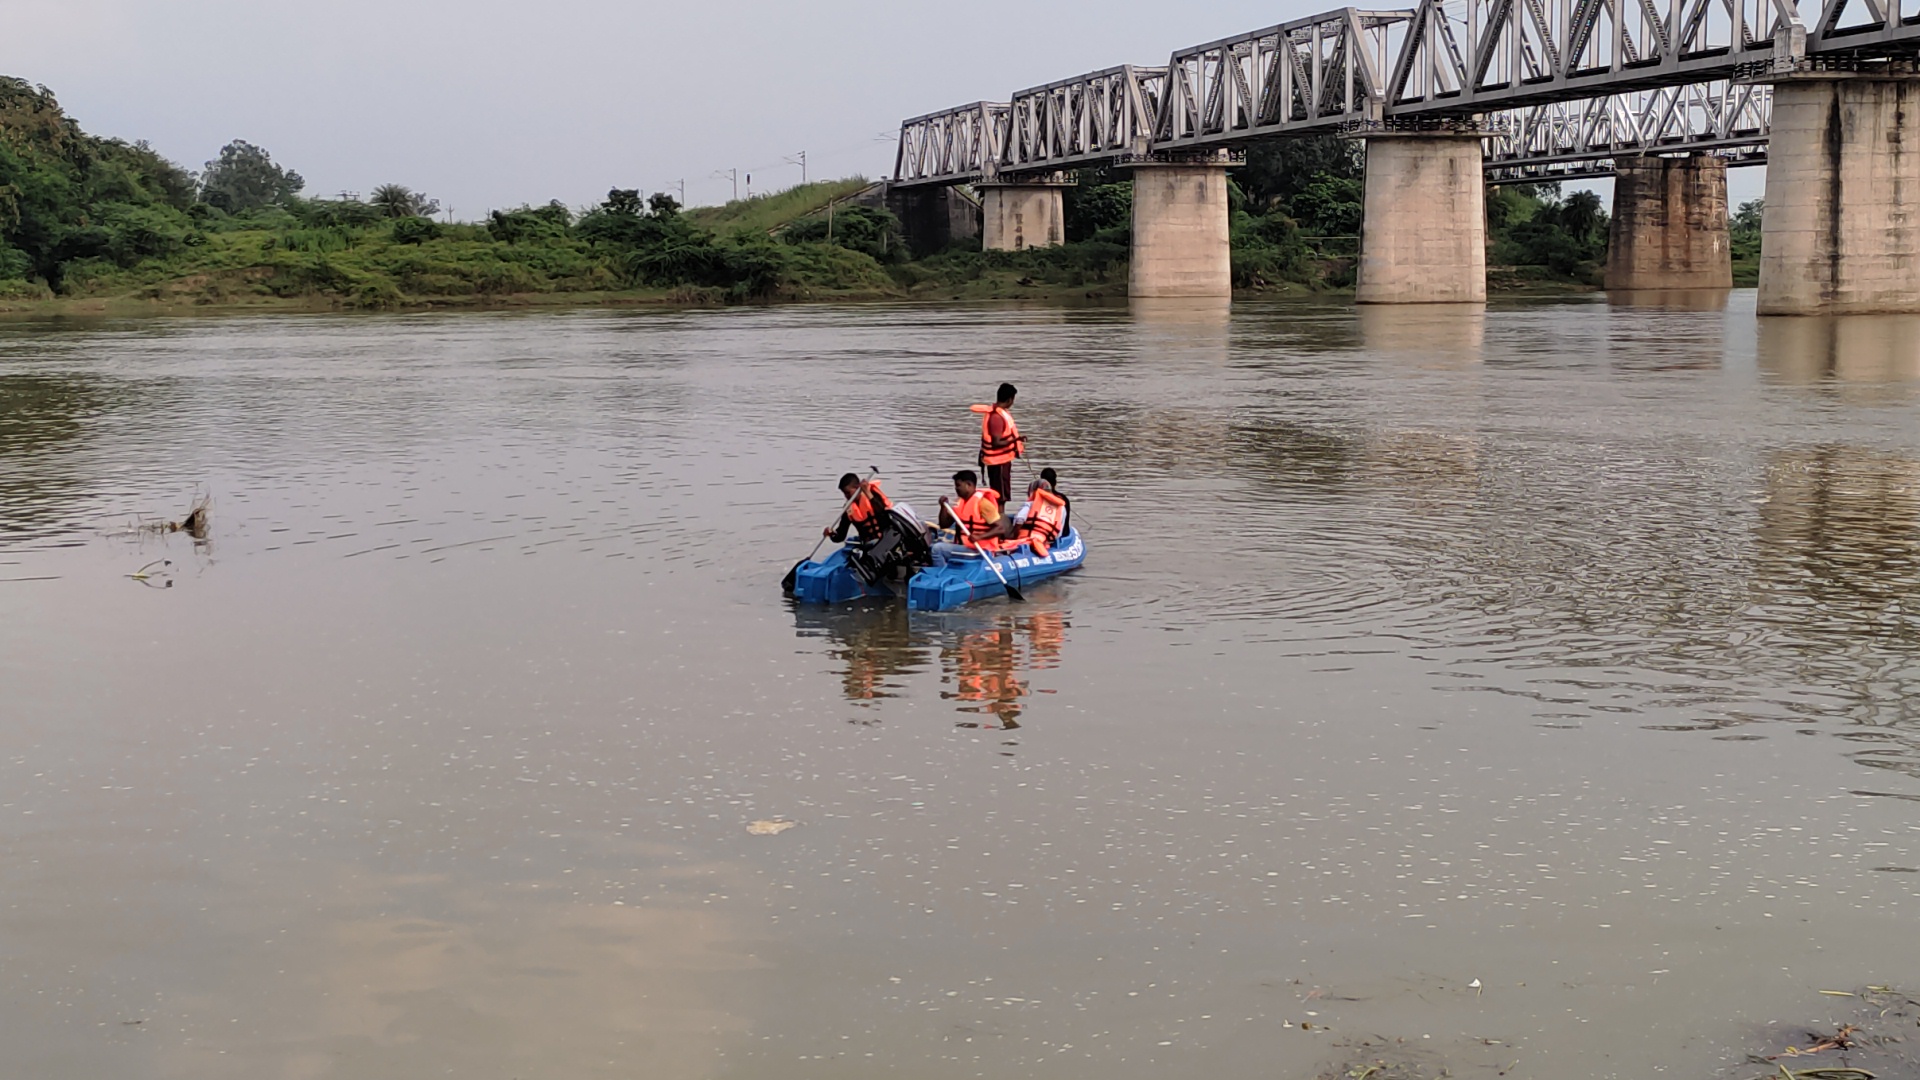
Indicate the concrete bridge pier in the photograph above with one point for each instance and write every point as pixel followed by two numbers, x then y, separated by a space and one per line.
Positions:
pixel 933 218
pixel 1669 228
pixel 1180 222
pixel 1423 236
pixel 1841 233
pixel 1014 217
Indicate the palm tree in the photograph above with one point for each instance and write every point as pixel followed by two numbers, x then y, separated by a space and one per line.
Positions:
pixel 399 200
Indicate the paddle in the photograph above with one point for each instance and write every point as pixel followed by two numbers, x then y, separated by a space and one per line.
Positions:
pixel 1013 594
pixel 786 583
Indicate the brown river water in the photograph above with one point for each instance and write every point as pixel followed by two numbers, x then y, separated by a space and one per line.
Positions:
pixel 1566 649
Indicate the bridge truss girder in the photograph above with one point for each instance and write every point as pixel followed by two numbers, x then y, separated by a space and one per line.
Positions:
pixel 952 146
pixel 1568 79
pixel 1581 138
pixel 1317 72
pixel 1495 54
pixel 1093 118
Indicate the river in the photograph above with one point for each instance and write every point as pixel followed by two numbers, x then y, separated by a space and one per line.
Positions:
pixel 1528 692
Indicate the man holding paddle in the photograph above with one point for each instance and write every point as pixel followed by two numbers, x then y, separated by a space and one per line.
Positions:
pixel 865 503
pixel 977 518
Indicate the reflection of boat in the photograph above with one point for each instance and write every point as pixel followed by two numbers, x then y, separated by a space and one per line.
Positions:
pixel 986 656
pixel 940 588
pixel 985 663
pixel 877 642
pixel 832 580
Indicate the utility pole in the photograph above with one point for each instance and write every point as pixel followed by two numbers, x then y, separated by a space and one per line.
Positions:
pixel 800 159
pixel 734 175
pixel 683 191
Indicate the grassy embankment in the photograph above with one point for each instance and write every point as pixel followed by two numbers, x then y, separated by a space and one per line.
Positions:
pixel 295 258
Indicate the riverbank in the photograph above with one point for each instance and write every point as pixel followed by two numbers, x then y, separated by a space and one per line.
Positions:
pixel 997 287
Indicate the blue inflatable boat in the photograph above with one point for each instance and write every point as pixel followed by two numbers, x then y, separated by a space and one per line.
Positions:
pixel 940 588
pixel 832 581
pixel 943 588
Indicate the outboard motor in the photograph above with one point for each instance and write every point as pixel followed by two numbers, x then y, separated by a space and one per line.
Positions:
pixel 901 550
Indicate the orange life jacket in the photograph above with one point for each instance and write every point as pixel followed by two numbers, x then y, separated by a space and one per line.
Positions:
pixel 971 514
pixel 1005 448
pixel 861 511
pixel 1044 521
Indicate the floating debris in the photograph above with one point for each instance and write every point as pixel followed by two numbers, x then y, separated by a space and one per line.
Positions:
pixel 195 523
pixel 1871 1044
pixel 152 578
pixel 769 828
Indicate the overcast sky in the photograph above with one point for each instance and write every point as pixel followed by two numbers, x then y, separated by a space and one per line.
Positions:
pixel 494 103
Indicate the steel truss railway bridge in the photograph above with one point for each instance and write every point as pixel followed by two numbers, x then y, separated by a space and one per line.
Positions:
pixel 1453 95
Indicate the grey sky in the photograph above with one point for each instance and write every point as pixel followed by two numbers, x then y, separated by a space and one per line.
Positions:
pixel 492 103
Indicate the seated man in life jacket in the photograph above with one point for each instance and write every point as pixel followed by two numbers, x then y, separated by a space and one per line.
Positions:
pixel 977 521
pixel 1053 481
pixel 1042 521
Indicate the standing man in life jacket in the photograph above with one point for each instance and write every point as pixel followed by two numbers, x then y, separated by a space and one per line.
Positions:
pixel 979 512
pixel 865 505
pixel 1000 441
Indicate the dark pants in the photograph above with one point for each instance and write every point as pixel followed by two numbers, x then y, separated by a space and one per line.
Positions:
pixel 1000 479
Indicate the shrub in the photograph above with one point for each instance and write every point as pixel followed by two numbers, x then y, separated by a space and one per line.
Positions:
pixel 868 230
pixel 415 230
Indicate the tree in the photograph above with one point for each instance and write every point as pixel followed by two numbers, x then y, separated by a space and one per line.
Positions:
pixel 1277 171
pixel 1093 208
pixel 244 178
pixel 1328 205
pixel 1743 232
pixel 624 201
pixel 1533 226
pixel 401 201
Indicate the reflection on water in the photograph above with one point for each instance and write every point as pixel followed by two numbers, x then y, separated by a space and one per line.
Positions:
pixel 986 657
pixel 984 665
pixel 1838 573
pixel 1868 351
pixel 1671 299
pixel 1448 335
pixel 42 435
pixel 876 643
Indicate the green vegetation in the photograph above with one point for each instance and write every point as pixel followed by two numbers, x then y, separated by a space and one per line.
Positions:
pixel 765 214
pixel 85 217
pixel 1744 236
pixel 1539 235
